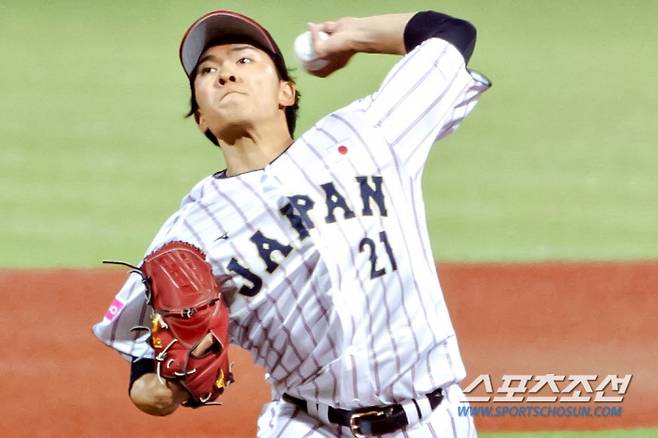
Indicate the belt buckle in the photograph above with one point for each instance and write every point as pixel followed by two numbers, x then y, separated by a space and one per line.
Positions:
pixel 356 417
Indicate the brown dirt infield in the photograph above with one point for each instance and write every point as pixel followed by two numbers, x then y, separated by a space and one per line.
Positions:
pixel 585 318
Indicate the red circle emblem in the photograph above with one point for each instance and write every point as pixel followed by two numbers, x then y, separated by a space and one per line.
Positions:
pixel 342 149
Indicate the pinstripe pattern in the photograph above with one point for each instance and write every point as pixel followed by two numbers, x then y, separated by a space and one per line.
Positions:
pixel 254 316
pixel 348 312
pixel 304 322
pixel 361 285
pixel 355 393
pixel 400 289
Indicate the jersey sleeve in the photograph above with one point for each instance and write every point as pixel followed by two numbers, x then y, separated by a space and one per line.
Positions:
pixel 424 98
pixel 119 328
pixel 128 310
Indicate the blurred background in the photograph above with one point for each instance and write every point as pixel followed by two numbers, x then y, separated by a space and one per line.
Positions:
pixel 557 162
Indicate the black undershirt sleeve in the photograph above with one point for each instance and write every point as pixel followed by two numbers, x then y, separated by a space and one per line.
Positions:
pixel 139 368
pixel 430 24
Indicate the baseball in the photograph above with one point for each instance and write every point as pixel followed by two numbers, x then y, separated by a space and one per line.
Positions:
pixel 306 54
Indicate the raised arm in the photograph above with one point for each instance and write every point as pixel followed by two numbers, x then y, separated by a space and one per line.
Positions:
pixel 394 34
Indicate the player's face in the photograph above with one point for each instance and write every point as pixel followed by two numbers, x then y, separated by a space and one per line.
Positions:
pixel 237 86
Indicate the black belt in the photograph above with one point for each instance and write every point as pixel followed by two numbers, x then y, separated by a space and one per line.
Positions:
pixel 371 420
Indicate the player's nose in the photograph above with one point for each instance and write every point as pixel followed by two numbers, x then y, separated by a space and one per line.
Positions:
pixel 225 76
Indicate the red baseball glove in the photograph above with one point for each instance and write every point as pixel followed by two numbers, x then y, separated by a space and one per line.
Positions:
pixel 188 310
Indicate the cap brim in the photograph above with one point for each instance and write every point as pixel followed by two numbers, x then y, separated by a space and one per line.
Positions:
pixel 213 27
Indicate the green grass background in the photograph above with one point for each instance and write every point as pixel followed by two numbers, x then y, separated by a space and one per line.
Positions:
pixel 558 162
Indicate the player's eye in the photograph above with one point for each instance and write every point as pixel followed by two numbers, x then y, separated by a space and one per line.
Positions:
pixel 244 60
pixel 206 70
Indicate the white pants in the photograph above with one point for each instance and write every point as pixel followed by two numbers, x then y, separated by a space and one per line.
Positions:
pixel 280 419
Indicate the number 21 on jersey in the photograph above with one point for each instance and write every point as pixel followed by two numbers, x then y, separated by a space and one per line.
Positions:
pixel 374 250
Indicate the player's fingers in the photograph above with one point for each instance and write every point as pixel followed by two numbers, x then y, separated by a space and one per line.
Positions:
pixel 325 26
pixel 313 28
pixel 328 27
pixel 319 43
pixel 204 346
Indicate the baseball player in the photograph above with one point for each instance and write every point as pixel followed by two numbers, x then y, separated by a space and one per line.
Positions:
pixel 323 235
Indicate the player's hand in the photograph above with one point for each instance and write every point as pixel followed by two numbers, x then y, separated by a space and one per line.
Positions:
pixel 153 397
pixel 349 35
pixel 338 48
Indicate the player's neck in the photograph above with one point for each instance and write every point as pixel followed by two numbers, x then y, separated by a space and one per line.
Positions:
pixel 254 149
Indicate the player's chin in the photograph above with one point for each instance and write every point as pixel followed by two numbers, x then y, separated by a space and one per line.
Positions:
pixel 232 124
pixel 228 114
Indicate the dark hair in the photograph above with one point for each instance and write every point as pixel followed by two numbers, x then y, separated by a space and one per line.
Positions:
pixel 291 111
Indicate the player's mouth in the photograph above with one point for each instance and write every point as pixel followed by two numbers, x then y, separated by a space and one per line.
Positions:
pixel 229 93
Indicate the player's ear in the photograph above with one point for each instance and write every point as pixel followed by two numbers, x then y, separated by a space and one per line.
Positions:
pixel 201 121
pixel 287 92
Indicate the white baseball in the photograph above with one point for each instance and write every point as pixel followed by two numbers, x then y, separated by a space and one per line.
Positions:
pixel 306 53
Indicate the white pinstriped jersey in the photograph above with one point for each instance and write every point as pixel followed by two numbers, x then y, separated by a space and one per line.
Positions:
pixel 339 298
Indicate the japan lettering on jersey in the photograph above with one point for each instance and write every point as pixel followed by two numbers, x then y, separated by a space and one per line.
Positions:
pixel 338 298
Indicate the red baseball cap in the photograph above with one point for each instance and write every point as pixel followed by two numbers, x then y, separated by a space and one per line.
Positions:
pixel 229 27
